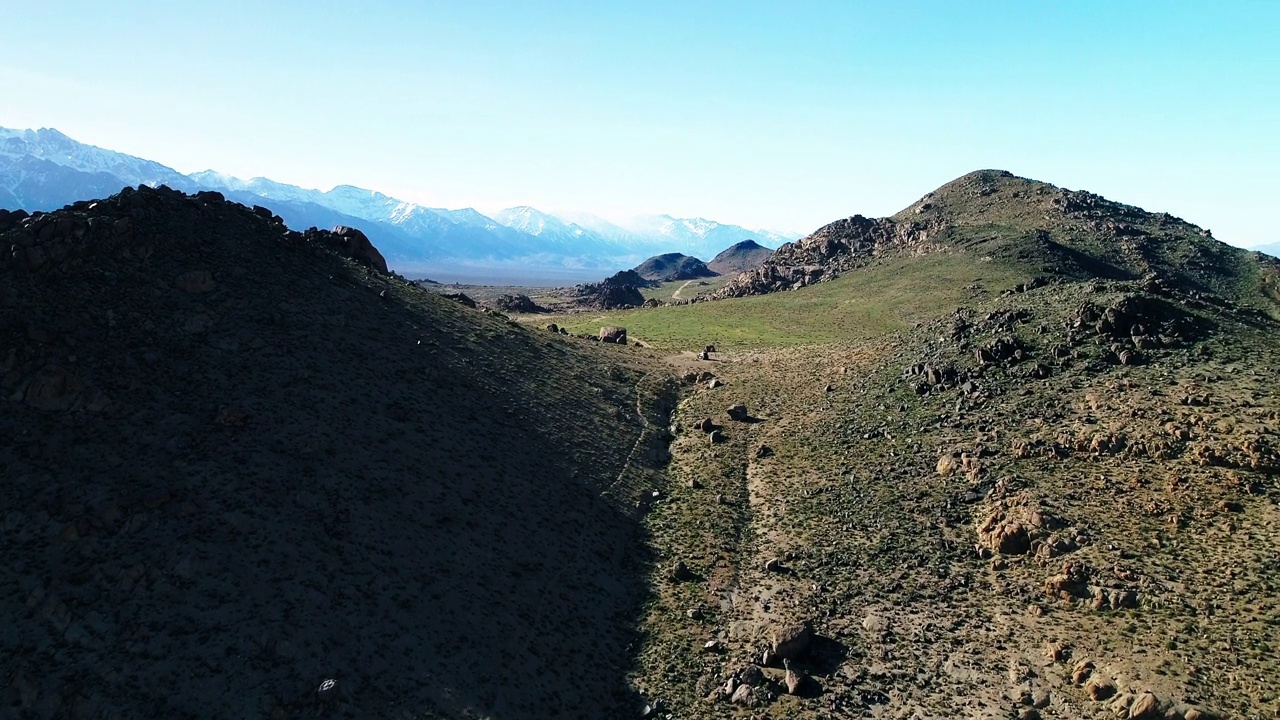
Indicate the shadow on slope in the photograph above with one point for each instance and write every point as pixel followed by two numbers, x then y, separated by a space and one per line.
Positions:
pixel 234 466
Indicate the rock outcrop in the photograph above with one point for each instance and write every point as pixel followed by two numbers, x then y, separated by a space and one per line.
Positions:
pixel 621 290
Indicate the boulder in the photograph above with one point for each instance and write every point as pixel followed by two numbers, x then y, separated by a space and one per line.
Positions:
pixel 461 298
pixel 353 244
pixel 794 679
pixel 1147 705
pixel 737 412
pixel 791 641
pixel 613 334
pixel 1099 688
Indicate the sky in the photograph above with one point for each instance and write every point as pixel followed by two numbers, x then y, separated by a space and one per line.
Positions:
pixel 776 115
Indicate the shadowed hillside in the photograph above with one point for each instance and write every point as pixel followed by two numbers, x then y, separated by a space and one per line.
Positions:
pixel 235 464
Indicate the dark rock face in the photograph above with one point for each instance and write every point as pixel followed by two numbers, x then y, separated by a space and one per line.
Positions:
pixel 357 247
pixel 673 266
pixel 739 258
pixel 618 291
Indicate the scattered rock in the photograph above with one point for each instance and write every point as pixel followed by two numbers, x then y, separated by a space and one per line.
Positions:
pixel 1099 688
pixel 791 641
pixel 793 679
pixel 1146 706
pixel 737 412
pixel 1082 671
pixel 764 451
pixel 744 696
pixel 751 675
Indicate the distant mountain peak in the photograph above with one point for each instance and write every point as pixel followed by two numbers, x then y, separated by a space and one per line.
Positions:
pixel 44 169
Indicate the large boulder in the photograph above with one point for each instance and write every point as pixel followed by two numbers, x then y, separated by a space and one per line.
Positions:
pixel 353 244
pixel 791 641
pixel 613 334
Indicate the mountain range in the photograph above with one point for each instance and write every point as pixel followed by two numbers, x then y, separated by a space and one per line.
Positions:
pixel 42 170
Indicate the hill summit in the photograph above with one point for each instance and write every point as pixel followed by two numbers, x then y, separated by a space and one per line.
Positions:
pixel 673 266
pixel 1042 230
pixel 739 258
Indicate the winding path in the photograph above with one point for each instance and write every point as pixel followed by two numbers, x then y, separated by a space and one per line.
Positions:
pixel 676 295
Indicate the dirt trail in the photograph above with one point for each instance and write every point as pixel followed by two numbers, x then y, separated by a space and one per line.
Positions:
pixel 676 295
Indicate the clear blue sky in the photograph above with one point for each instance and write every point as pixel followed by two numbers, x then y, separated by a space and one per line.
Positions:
pixel 778 115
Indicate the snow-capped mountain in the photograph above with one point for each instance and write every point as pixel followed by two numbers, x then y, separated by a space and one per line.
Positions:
pixel 698 236
pixel 44 169
pixel 54 147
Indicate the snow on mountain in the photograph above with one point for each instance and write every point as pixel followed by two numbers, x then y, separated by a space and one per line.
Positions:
pixel 537 223
pixel 44 169
pixel 52 146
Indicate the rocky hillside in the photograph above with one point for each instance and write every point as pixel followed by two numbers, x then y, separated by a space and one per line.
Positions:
pixel 739 258
pixel 1046 231
pixel 672 266
pixel 245 472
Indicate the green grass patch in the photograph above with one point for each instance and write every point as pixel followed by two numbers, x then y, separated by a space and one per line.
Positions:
pixel 881 298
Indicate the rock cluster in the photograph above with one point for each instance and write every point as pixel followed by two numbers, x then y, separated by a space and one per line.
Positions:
pixel 517 303
pixel 621 290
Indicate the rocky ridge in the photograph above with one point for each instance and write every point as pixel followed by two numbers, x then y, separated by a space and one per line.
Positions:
pixel 1052 231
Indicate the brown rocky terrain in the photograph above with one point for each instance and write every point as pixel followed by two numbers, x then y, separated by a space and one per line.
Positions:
pixel 245 476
